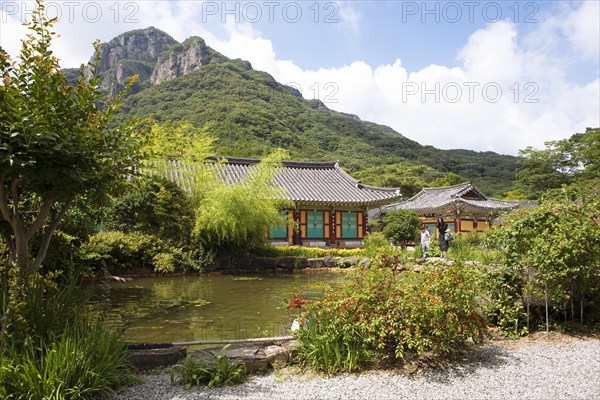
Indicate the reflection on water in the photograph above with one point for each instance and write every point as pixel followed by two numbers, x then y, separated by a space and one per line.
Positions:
pixel 202 307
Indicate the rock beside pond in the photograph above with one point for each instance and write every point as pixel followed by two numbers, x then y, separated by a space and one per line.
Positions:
pixel 291 262
pixel 364 262
pixel 330 261
pixel 147 359
pixel 347 262
pixel 265 262
pixel 316 263
pixel 292 349
pixel 277 356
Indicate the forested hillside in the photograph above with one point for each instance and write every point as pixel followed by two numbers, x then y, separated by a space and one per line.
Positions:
pixel 249 114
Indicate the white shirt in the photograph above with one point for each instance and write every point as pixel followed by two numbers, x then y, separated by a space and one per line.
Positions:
pixel 425 238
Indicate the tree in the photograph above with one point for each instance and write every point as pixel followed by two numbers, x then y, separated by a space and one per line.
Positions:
pixel 155 206
pixel 450 179
pixel 239 215
pixel 562 162
pixel 55 144
pixel 400 226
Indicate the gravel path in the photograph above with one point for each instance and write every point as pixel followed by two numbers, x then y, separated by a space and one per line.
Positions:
pixel 564 369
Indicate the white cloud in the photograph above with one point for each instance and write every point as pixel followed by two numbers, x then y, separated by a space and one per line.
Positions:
pixel 582 29
pixel 349 18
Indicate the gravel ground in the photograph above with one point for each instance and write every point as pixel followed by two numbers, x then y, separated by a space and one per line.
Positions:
pixel 558 368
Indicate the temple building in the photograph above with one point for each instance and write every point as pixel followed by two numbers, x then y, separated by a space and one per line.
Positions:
pixel 330 207
pixel 462 206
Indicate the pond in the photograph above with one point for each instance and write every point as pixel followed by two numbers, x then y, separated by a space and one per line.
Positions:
pixel 206 307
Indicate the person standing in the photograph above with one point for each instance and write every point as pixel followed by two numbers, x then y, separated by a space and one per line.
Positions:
pixel 425 238
pixel 442 228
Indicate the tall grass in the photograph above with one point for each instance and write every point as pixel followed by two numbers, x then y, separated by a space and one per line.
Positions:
pixel 472 248
pixel 56 348
pixel 84 362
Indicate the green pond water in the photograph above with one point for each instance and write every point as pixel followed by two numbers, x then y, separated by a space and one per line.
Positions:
pixel 204 307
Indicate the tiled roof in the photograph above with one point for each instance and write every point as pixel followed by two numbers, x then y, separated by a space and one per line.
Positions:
pixel 314 182
pixel 464 195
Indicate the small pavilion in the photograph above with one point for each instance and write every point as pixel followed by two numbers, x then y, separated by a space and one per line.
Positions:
pixel 462 206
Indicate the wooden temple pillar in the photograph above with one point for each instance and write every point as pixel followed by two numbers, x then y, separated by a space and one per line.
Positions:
pixel 457 224
pixel 332 225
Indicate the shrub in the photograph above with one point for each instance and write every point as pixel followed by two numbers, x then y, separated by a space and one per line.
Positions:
pixel 375 243
pixel 400 226
pixel 154 206
pixel 308 252
pixel 122 250
pixel 472 248
pixel 505 288
pixel 164 262
pixel 381 314
pixel 558 243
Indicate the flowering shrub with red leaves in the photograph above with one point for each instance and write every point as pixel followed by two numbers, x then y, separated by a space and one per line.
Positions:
pixel 382 314
pixel 297 304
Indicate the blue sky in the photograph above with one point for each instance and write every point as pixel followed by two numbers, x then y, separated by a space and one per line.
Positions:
pixel 479 75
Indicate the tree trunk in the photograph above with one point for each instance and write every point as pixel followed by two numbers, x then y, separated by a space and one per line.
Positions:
pixel 581 309
pixel 546 296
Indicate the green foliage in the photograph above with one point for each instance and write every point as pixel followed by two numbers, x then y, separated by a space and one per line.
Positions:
pixel 449 180
pixel 380 314
pixel 401 226
pixel 177 152
pixel 119 251
pixel 84 362
pixel 472 247
pixel 239 215
pixel 308 252
pixel 164 262
pixel 505 287
pixel 375 243
pixel 199 372
pixel 115 249
pixel 155 206
pixel 40 306
pixel 55 348
pixel 562 162
pixel 408 176
pixel 55 144
pixel 558 243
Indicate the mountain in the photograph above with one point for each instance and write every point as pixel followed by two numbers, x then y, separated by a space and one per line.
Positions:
pixel 250 113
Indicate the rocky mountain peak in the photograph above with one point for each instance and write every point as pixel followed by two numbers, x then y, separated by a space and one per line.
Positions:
pixel 153 55
pixel 144 45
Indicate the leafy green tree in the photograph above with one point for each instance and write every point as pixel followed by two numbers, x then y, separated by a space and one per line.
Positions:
pixel 450 179
pixel 401 226
pixel 562 162
pixel 55 145
pixel 155 206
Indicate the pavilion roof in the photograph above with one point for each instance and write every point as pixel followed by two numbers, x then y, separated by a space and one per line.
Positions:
pixel 464 196
pixel 312 182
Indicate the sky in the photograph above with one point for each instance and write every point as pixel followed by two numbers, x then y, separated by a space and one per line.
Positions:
pixel 479 75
